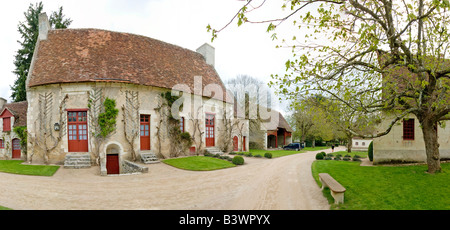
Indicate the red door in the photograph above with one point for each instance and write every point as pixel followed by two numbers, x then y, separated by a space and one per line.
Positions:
pixel 78 132
pixel 145 132
pixel 209 125
pixel 112 163
pixel 244 144
pixel 235 144
pixel 16 149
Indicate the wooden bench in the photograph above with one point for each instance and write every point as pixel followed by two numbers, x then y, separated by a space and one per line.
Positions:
pixel 337 190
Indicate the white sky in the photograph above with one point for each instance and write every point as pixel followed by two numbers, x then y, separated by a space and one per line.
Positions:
pixel 244 50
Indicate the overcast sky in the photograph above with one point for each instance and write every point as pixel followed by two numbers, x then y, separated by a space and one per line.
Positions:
pixel 244 50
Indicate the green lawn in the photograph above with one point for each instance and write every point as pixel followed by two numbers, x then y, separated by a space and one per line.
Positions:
pixel 16 167
pixel 199 163
pixel 343 153
pixel 387 187
pixel 280 153
pixel 4 208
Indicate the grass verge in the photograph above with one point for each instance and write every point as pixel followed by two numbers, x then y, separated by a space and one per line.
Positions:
pixel 281 153
pixel 387 187
pixel 16 167
pixel 199 163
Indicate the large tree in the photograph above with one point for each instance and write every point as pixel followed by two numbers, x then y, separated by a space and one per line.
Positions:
pixel 391 55
pixel 29 31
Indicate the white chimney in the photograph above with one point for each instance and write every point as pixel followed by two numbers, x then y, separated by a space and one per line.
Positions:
pixel 208 53
pixel 44 26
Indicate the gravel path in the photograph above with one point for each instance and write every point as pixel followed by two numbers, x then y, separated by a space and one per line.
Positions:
pixel 283 183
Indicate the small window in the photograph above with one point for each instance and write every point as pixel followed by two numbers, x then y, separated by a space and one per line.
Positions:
pixel 356 143
pixel 182 124
pixel 408 129
pixel 363 143
pixel 2 144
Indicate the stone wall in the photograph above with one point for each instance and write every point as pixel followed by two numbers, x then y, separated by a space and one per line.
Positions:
pixel 78 99
pixel 392 147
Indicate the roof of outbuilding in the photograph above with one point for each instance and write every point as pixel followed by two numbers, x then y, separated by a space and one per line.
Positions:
pixel 19 110
pixel 94 55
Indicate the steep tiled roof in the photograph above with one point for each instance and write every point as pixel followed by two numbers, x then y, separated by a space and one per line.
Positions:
pixel 280 123
pixel 19 110
pixel 93 55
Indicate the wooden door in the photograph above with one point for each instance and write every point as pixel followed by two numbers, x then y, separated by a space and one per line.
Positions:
pixel 112 164
pixel 16 149
pixel 78 131
pixel 235 144
pixel 244 144
pixel 145 132
pixel 209 126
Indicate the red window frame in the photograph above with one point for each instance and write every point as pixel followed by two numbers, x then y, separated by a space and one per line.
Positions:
pixel 408 129
pixel 145 132
pixel 210 119
pixel 2 144
pixel 77 130
pixel 182 124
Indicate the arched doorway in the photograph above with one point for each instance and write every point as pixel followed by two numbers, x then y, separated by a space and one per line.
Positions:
pixel 16 154
pixel 112 160
pixel 235 143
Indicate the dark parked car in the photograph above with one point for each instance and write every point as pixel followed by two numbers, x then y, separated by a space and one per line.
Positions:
pixel 293 146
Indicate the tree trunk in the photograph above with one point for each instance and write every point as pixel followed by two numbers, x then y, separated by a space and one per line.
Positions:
pixel 349 144
pixel 429 130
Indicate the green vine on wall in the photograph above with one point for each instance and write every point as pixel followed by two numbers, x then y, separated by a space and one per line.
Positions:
pixel 107 119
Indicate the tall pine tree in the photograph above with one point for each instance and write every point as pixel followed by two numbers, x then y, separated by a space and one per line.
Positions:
pixel 29 31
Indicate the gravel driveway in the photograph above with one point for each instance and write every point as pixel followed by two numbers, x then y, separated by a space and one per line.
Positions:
pixel 283 183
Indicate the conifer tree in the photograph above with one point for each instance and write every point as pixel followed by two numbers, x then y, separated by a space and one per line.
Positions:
pixel 29 30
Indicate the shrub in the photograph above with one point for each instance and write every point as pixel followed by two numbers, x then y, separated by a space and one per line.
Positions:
pixel 327 158
pixel 258 155
pixel 248 154
pixel 356 156
pixel 330 155
pixel 324 154
pixel 238 160
pixel 356 159
pixel 232 153
pixel 319 156
pixel 346 158
pixel 346 155
pixel 217 155
pixel 268 155
pixel 240 153
pixel 337 158
pixel 370 153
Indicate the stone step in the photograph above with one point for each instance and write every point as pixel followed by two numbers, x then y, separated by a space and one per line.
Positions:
pixel 214 150
pixel 77 161
pixel 149 158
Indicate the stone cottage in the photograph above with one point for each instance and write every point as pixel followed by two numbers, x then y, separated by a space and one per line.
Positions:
pixel 161 91
pixel 11 115
pixel 405 142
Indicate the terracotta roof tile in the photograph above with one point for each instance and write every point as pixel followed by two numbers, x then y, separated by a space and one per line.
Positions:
pixel 93 55
pixel 19 110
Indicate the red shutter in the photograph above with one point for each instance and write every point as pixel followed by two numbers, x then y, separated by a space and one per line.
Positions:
pixel 6 124
pixel 408 129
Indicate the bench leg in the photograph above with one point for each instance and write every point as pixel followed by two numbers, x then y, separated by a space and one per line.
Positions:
pixel 323 184
pixel 338 197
